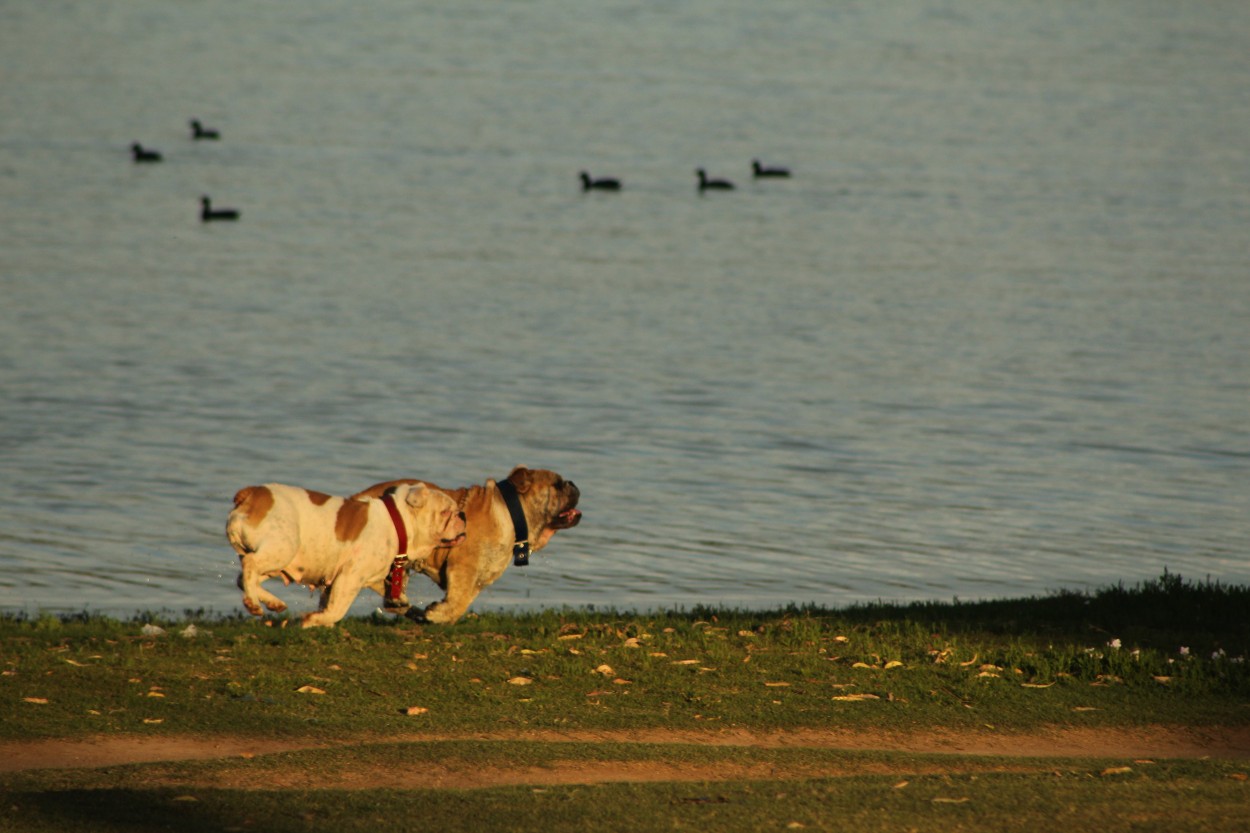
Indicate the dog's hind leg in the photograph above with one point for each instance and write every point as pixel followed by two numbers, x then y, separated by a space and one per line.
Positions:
pixel 251 575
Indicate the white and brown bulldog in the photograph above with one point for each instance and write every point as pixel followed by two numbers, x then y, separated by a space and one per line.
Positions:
pixel 507 520
pixel 338 544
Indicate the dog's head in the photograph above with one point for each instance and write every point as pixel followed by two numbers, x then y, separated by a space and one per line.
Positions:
pixel 548 496
pixel 436 517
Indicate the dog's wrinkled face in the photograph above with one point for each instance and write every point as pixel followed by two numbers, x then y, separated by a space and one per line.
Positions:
pixel 452 529
pixel 554 497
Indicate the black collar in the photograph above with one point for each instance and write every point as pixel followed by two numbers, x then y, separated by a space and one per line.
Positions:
pixel 520 527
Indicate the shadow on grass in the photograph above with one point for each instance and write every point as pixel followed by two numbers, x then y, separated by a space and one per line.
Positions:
pixel 199 810
pixel 132 810
pixel 1164 613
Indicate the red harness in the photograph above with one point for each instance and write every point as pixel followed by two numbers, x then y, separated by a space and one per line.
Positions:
pixel 395 578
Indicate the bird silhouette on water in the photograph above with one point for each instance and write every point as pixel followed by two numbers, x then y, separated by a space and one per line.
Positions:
pixel 144 155
pixel 706 184
pixel 199 131
pixel 763 172
pixel 606 183
pixel 208 214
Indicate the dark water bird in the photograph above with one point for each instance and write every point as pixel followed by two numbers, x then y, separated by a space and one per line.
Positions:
pixel 762 171
pixel 209 214
pixel 606 183
pixel 706 184
pixel 142 154
pixel 199 131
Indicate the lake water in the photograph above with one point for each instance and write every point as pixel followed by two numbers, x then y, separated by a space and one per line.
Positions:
pixel 992 338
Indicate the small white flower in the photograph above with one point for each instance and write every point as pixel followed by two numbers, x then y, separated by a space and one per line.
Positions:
pixel 1218 654
pixel 1184 650
pixel 1115 643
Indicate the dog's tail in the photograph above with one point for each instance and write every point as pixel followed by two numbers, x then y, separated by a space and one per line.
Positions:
pixel 251 504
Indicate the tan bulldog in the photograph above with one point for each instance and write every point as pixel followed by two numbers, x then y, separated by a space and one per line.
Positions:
pixel 338 544
pixel 542 502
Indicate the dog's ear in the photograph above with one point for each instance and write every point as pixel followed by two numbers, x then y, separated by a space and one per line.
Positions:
pixel 417 495
pixel 522 478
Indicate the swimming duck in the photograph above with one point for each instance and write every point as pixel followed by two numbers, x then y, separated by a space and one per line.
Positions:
pixel 199 131
pixel 603 184
pixel 142 154
pixel 713 184
pixel 208 214
pixel 761 171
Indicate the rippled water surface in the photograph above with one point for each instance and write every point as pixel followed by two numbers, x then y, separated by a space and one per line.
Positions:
pixel 991 338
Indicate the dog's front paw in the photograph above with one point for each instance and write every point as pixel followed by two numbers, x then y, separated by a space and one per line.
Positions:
pixel 316 619
pixel 396 605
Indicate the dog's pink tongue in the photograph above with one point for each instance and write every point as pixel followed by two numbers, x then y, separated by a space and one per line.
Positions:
pixel 571 517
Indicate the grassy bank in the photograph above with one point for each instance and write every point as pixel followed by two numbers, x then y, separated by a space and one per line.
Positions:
pixel 403 705
pixel 1166 651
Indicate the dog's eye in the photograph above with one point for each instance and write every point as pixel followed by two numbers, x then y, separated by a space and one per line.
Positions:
pixel 559 482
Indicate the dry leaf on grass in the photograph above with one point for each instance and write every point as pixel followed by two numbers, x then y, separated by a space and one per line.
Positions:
pixel 1116 770
pixel 415 710
pixel 685 662
pixel 855 698
pixel 1036 685
pixel 309 689
pixel 777 685
pixel 40 700
pixel 520 681
pixel 893 664
pixel 605 670
pixel 951 800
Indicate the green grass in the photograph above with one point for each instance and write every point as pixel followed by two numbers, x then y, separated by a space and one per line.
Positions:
pixel 1010 665
pixel 1041 795
pixel 1014 664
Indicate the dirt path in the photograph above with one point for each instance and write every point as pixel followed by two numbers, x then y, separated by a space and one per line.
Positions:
pixel 1001 751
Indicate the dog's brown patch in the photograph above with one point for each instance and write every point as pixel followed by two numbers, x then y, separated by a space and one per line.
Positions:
pixel 317 498
pixel 350 521
pixel 256 500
